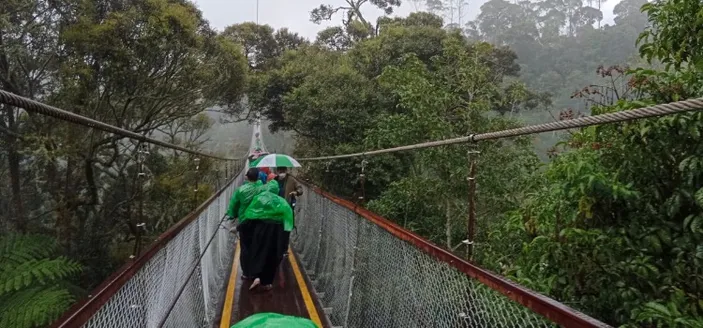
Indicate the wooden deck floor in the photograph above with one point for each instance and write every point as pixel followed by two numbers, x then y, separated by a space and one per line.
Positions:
pixel 291 295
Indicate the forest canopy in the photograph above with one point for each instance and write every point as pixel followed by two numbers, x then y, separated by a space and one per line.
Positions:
pixel 564 214
pixel 69 193
pixel 611 206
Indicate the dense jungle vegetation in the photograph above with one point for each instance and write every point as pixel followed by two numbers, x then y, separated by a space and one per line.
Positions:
pixel 608 220
pixel 69 195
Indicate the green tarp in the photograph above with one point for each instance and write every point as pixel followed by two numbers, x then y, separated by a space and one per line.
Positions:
pixel 274 320
pixel 242 197
pixel 268 205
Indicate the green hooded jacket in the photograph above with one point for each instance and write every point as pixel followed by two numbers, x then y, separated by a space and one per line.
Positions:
pixel 267 205
pixel 242 197
pixel 274 320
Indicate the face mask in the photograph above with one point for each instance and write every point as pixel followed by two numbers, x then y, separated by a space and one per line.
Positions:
pixel 282 175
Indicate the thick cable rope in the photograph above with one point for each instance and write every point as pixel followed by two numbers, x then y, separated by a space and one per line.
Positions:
pixel 44 109
pixel 644 112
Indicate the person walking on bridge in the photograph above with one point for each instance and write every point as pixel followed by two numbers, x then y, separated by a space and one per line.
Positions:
pixel 263 172
pixel 272 176
pixel 262 177
pixel 268 218
pixel 241 198
pixel 290 190
pixel 288 186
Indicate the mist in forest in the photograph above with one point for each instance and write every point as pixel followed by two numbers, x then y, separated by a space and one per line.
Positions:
pixel 232 138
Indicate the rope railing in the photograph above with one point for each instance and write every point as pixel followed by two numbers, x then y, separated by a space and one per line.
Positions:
pixel 174 283
pixel 34 106
pixel 628 115
pixel 411 282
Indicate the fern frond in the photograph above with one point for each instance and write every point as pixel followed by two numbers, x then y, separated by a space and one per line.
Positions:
pixel 31 292
pixel 32 272
pixel 15 249
pixel 35 306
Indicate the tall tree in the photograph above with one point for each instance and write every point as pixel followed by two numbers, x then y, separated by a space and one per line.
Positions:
pixel 263 47
pixel 258 42
pixel 352 12
pixel 453 11
pixel 334 38
pixel 627 12
pixel 29 48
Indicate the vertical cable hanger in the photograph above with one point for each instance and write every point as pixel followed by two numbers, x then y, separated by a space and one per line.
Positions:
pixel 326 177
pixel 142 152
pixel 472 154
pixel 362 181
pixel 197 181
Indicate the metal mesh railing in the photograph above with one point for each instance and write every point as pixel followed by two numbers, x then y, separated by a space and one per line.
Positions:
pixel 150 296
pixel 368 277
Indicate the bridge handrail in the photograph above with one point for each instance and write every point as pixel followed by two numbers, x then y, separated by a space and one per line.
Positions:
pixel 81 312
pixel 676 107
pixel 538 303
pixel 64 115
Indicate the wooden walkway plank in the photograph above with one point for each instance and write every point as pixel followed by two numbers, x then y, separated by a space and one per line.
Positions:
pixel 291 295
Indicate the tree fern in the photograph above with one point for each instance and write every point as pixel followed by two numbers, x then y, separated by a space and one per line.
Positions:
pixel 34 306
pixel 15 249
pixel 31 280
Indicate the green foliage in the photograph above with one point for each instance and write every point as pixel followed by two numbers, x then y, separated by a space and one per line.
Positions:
pixel 352 11
pixel 559 44
pixel 149 66
pixel 675 33
pixel 620 207
pixel 564 33
pixel 617 213
pixel 413 82
pixel 32 281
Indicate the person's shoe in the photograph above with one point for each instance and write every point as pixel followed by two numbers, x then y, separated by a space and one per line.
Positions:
pixel 266 288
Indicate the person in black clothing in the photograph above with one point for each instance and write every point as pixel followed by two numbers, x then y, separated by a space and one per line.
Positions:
pixel 290 190
pixel 268 217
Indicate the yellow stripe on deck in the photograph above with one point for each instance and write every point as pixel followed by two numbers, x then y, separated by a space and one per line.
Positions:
pixel 231 285
pixel 309 304
pixel 253 301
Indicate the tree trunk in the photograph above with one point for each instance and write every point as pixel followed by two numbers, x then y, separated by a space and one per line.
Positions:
pixel 13 162
pixel 63 219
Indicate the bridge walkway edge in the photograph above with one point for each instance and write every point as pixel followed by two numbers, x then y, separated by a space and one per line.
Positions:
pixel 292 294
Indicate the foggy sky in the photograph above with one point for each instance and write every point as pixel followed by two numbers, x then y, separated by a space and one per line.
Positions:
pixel 295 14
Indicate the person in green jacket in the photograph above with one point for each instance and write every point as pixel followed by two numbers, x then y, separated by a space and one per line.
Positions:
pixel 269 319
pixel 241 198
pixel 269 218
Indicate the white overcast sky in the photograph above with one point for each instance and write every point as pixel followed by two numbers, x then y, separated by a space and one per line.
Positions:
pixel 295 14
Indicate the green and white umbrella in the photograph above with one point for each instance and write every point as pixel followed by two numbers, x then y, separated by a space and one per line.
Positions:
pixel 277 160
pixel 256 161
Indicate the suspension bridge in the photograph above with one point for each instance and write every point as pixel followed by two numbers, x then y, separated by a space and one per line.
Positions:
pixel 346 267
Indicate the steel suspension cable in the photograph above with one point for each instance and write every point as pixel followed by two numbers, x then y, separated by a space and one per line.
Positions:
pixel 628 115
pixel 34 106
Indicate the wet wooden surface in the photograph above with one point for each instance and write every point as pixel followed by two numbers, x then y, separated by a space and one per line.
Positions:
pixel 285 298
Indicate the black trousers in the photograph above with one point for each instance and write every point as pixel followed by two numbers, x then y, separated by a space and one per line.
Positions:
pixel 283 242
pixel 262 240
pixel 245 239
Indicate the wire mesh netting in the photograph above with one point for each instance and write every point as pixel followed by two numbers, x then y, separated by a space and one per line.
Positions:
pixel 145 299
pixel 366 277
